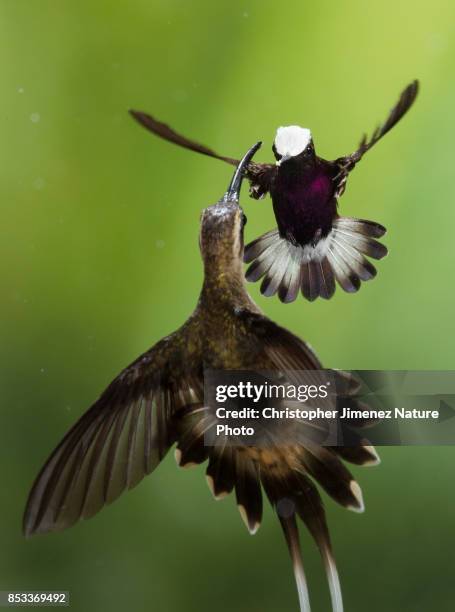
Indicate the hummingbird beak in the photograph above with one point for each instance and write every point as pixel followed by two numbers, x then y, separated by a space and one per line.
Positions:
pixel 232 194
pixel 283 159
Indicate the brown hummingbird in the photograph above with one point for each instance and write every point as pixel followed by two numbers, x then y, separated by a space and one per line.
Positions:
pixel 158 401
pixel 313 246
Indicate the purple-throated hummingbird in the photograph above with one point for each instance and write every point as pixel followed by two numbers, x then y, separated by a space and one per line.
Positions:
pixel 313 246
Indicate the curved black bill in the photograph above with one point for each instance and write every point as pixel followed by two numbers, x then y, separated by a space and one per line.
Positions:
pixel 232 194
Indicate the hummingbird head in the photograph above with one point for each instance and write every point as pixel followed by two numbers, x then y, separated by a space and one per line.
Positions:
pixel 293 143
pixel 221 234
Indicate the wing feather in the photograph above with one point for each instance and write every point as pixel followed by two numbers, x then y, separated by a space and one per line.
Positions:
pixel 119 440
pixel 347 163
pixel 162 130
pixel 259 175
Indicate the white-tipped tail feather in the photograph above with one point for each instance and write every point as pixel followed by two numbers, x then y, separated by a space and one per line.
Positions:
pixel 291 534
pixel 313 269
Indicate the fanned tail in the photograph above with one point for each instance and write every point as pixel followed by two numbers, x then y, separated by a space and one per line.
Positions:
pixel 341 256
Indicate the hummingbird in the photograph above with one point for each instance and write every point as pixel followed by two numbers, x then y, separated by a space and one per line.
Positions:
pixel 313 247
pixel 158 402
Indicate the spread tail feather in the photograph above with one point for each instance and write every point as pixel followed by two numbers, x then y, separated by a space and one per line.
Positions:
pixel 311 511
pixel 291 533
pixel 292 493
pixel 341 256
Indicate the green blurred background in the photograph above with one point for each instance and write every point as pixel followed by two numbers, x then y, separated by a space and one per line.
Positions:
pixel 99 259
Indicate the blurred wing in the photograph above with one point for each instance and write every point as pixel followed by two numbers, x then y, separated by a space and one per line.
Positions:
pixel 164 131
pixel 347 163
pixel 259 175
pixel 119 440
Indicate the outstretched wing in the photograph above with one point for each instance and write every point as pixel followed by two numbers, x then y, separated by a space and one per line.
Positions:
pixel 119 440
pixel 167 133
pixel 259 175
pixel 347 163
